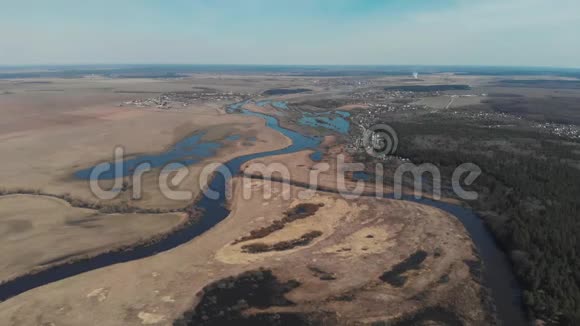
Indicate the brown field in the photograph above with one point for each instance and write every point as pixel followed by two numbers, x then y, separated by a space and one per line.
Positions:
pixel 447 102
pixel 36 231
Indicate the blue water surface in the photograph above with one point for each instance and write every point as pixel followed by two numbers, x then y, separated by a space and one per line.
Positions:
pixel 188 151
pixel 331 120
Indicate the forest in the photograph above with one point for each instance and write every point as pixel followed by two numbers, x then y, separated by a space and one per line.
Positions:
pixel 528 195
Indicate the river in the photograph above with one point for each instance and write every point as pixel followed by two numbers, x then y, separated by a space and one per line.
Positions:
pixel 497 273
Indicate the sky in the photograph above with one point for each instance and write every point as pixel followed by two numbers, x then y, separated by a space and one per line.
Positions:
pixel 295 32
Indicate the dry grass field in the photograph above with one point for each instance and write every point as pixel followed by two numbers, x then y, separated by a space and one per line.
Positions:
pixel 37 231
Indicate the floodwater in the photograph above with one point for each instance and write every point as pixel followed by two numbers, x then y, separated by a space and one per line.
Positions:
pixel 331 120
pixel 276 104
pixel 188 151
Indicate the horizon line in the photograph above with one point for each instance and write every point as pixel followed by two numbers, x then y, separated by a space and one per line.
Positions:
pixel 33 65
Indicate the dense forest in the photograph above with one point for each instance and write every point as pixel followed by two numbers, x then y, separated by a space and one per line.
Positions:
pixel 530 190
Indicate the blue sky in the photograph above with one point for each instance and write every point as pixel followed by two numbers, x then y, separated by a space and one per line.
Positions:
pixel 446 32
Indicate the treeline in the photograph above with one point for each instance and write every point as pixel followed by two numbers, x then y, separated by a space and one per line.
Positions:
pixel 112 208
pixel 535 194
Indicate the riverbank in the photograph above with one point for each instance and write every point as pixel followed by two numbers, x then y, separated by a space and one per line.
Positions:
pixel 66 235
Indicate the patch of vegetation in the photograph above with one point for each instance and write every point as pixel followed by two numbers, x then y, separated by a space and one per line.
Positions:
pixel 505 95
pixel 116 208
pixel 565 110
pixel 225 301
pixel 475 268
pixel 322 275
pixel 444 279
pixel 437 252
pixel 541 83
pixel 427 88
pixel 300 211
pixel 304 240
pixel 326 103
pixel 285 91
pixel 403 100
pixel 427 316
pixel 395 278
pixel 345 297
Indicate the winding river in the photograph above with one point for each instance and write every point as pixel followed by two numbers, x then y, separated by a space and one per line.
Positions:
pixel 497 274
